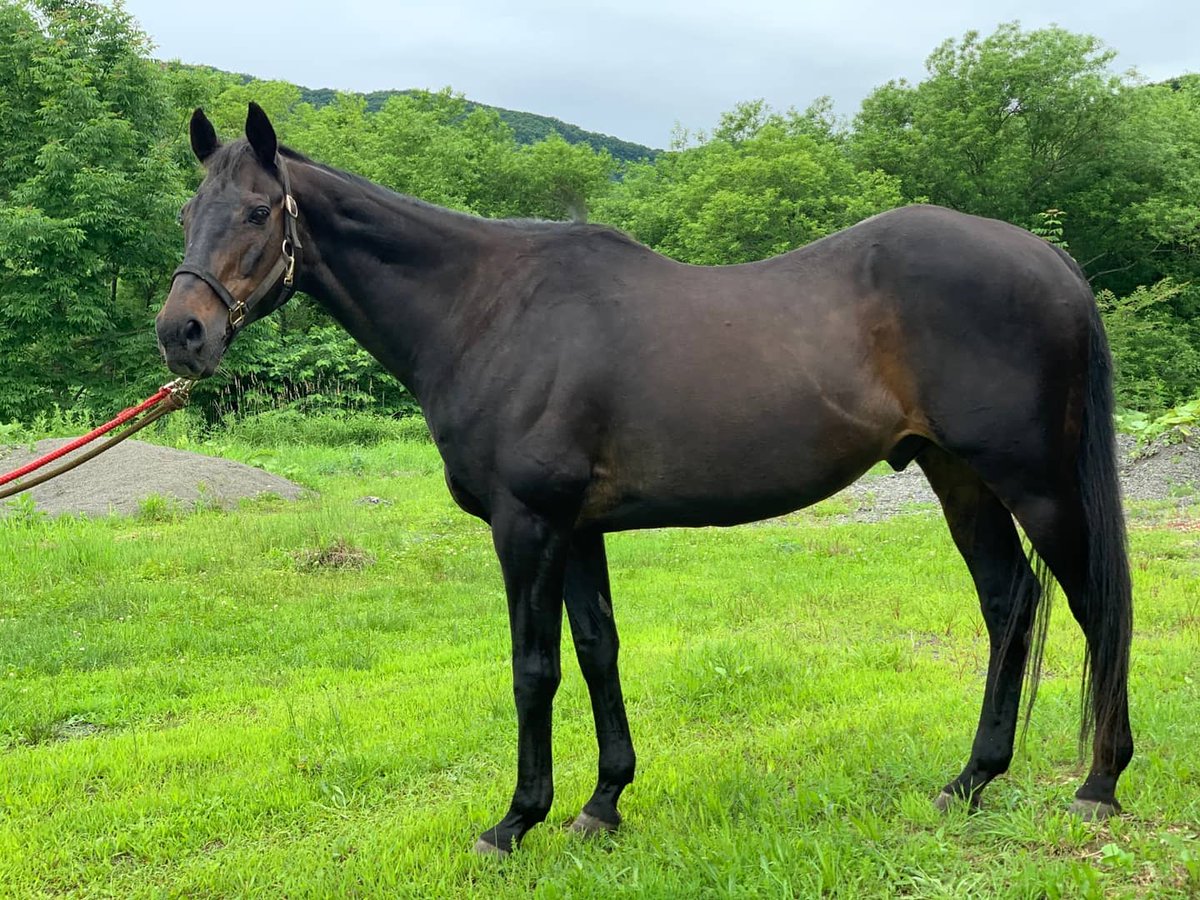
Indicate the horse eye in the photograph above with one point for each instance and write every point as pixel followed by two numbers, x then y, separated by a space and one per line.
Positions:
pixel 260 214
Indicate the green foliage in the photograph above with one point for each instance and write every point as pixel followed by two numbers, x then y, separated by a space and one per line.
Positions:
pixel 1163 134
pixel 529 128
pixel 441 148
pixel 1157 355
pixel 526 127
pixel 554 179
pixel 21 511
pixel 1175 424
pixel 11 433
pixel 157 509
pixel 1003 126
pixel 428 145
pixel 227 111
pixel 1050 227
pixel 762 184
pixel 304 360
pixel 285 427
pixel 89 188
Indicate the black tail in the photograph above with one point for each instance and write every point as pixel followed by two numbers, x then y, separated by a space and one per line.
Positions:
pixel 1109 594
pixel 1041 594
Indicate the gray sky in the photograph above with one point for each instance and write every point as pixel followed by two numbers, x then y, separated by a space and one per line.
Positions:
pixel 634 69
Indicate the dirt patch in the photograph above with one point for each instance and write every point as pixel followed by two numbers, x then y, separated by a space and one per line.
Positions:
pixel 338 555
pixel 50 732
pixel 120 481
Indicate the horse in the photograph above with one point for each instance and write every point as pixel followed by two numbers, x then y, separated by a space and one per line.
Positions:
pixel 577 383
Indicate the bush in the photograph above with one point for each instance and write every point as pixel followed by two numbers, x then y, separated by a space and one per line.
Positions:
pixel 1156 352
pixel 288 426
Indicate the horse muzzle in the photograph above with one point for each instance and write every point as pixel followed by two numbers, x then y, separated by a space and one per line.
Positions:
pixel 192 342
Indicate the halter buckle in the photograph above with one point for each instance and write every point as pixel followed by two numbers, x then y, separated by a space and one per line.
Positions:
pixel 289 203
pixel 289 254
pixel 237 315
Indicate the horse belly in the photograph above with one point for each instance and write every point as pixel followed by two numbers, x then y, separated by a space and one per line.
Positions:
pixel 759 410
pixel 728 474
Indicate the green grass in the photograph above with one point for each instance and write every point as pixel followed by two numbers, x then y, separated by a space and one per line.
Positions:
pixel 314 700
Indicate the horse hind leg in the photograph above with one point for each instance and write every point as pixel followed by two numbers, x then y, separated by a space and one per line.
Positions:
pixel 1009 593
pixel 1058 526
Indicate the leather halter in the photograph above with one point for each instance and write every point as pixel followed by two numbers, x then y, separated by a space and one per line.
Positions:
pixel 285 266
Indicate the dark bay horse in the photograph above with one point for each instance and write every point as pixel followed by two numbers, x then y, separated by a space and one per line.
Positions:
pixel 578 383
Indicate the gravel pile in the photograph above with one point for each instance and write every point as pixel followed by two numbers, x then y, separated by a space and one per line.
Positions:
pixel 876 497
pixel 1162 471
pixel 121 479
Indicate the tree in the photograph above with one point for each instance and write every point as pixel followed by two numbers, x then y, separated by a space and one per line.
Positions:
pixel 1157 356
pixel 553 179
pixel 89 189
pixel 1004 126
pixel 763 184
pixel 1141 207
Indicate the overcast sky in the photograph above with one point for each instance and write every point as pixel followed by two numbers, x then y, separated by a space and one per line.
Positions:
pixel 633 69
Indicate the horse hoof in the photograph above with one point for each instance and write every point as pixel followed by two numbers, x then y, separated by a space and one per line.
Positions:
pixel 1094 810
pixel 483 848
pixel 945 800
pixel 588 825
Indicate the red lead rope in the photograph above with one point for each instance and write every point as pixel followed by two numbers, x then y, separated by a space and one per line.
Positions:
pixel 162 394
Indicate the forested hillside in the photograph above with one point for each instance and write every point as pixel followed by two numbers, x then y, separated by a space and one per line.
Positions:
pixel 1033 127
pixel 527 127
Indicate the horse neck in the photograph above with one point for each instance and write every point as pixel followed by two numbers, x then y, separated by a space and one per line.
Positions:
pixel 392 270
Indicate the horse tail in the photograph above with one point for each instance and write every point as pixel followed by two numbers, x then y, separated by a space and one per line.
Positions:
pixel 1109 595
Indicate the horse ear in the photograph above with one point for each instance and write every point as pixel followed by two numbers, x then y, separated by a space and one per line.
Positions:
pixel 261 135
pixel 204 137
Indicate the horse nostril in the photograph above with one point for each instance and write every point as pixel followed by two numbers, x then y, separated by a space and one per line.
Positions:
pixel 193 334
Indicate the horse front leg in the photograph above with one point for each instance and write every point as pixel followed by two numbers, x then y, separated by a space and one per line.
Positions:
pixel 589 609
pixel 532 555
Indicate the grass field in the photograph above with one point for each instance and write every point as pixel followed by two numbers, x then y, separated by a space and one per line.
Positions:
pixel 314 700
